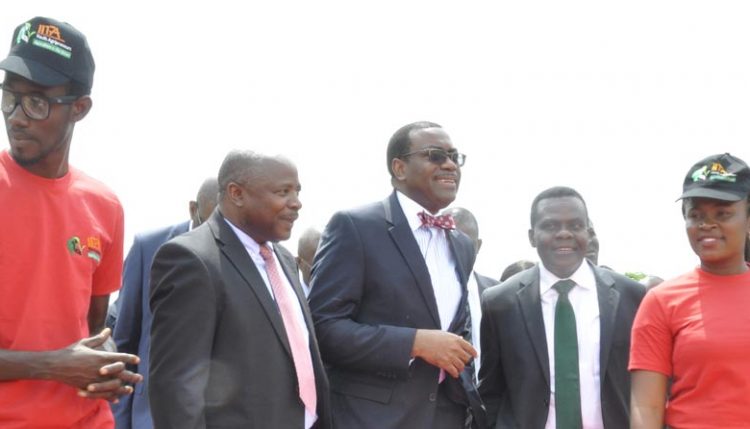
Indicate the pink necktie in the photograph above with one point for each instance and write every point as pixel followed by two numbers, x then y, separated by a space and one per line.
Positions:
pixel 300 352
pixel 443 221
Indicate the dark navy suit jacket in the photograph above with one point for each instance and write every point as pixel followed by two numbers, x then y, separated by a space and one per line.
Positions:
pixel 132 332
pixel 371 291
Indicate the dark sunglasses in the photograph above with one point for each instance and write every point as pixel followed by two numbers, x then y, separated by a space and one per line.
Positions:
pixel 439 156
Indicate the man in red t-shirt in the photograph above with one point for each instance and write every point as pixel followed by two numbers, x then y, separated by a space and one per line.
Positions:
pixel 61 251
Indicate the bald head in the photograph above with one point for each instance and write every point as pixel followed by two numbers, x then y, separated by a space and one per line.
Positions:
pixel 306 248
pixel 205 202
pixel 466 223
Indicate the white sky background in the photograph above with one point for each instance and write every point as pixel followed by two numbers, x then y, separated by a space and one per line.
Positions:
pixel 616 99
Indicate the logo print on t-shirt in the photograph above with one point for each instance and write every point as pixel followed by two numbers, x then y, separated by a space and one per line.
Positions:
pixel 92 248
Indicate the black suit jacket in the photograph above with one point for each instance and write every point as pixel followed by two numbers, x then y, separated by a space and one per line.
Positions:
pixel 514 377
pixel 220 357
pixel 371 291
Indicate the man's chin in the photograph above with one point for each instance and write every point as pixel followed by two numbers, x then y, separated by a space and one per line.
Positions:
pixel 24 161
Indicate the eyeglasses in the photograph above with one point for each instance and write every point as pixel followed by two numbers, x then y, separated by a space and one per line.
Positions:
pixel 35 106
pixel 439 156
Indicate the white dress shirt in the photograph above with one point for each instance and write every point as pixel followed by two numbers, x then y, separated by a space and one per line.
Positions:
pixel 253 249
pixel 584 299
pixel 433 243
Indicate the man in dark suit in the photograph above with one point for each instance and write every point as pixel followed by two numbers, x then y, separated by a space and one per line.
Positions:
pixel 132 332
pixel 232 344
pixel 389 295
pixel 556 337
pixel 467 223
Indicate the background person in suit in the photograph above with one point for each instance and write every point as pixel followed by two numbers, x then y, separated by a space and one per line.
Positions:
pixel 306 248
pixel 231 337
pixel 515 268
pixel 389 295
pixel 477 284
pixel 132 331
pixel 542 368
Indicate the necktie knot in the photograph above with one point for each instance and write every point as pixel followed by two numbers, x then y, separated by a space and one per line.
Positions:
pixel 563 287
pixel 442 221
pixel 265 253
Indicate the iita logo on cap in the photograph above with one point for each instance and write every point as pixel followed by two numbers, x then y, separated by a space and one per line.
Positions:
pixel 45 36
pixel 714 172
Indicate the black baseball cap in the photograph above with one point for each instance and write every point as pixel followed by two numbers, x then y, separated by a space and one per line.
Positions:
pixel 720 177
pixel 50 53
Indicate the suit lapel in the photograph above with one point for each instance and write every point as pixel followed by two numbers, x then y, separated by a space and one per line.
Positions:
pixel 609 298
pixel 237 255
pixel 530 302
pixel 403 237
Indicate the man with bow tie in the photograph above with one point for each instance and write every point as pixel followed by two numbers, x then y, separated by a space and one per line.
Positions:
pixel 389 296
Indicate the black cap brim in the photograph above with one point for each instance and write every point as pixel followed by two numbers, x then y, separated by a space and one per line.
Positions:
pixel 714 194
pixel 33 71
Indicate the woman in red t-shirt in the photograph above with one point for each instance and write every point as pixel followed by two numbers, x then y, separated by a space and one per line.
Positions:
pixel 691 333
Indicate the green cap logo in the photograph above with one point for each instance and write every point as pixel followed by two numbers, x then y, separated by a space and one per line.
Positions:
pixel 25 33
pixel 716 172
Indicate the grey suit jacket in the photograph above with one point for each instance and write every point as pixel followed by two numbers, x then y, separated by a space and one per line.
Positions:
pixel 371 291
pixel 220 357
pixel 515 378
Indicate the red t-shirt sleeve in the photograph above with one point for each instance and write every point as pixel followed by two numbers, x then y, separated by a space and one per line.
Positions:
pixel 651 341
pixel 108 275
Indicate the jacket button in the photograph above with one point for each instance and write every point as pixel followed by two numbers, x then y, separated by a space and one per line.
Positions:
pixel 433 397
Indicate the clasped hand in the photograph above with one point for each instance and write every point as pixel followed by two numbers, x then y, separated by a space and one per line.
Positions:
pixel 93 366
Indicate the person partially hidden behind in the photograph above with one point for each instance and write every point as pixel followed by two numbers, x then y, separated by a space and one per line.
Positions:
pixel 61 246
pixel 555 338
pixel 232 342
pixel 307 246
pixel 132 331
pixel 467 223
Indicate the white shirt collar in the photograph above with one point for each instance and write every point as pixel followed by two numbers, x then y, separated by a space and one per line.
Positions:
pixel 251 245
pixel 583 276
pixel 411 210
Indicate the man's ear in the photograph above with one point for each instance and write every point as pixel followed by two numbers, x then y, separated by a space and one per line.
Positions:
pixel 234 192
pixel 398 168
pixel 193 208
pixel 531 238
pixel 81 107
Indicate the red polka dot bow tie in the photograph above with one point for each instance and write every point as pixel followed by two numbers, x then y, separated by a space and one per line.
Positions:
pixel 443 221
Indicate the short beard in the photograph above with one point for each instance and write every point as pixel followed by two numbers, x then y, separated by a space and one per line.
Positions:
pixel 27 162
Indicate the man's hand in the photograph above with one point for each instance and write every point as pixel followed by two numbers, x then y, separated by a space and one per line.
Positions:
pixel 97 374
pixel 444 350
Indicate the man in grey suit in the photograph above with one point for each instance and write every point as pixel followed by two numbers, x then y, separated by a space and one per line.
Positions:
pixel 389 296
pixel 132 331
pixel 556 337
pixel 232 344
